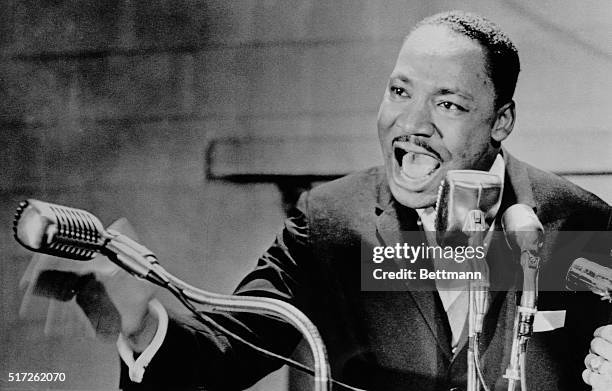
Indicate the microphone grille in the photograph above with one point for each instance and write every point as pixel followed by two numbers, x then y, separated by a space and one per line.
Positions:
pixel 57 230
pixel 20 208
pixel 442 206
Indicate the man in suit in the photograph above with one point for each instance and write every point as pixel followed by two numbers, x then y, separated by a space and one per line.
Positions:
pixel 448 105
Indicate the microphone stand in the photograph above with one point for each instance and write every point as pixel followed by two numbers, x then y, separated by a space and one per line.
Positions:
pixel 478 295
pixel 523 321
pixel 523 230
pixel 261 305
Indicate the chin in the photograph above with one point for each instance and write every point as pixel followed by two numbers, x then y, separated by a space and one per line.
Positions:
pixel 413 199
pixel 414 192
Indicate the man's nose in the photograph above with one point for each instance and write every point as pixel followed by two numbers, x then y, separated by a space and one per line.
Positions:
pixel 416 119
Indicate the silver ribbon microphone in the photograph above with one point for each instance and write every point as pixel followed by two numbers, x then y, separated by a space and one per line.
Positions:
pixel 587 275
pixel 77 234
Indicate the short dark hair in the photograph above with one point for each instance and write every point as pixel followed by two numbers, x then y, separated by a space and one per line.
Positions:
pixel 501 55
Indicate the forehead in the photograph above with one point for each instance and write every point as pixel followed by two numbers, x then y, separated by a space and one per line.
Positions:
pixel 440 39
pixel 438 55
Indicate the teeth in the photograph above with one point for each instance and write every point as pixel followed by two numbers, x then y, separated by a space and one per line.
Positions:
pixel 418 165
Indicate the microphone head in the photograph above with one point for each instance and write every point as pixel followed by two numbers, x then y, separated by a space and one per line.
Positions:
pixel 522 228
pixel 587 275
pixel 461 192
pixel 58 230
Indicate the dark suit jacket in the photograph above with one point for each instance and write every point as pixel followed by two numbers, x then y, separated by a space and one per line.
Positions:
pixel 396 339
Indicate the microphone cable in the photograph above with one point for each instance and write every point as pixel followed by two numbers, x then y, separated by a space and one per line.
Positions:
pixel 477 362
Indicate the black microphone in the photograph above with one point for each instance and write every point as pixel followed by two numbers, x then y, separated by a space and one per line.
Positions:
pixel 584 274
pixel 76 234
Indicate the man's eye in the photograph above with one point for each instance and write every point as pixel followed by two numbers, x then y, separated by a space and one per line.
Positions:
pixel 450 106
pixel 399 91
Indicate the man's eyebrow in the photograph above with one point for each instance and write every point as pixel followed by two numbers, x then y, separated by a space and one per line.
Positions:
pixel 452 91
pixel 400 77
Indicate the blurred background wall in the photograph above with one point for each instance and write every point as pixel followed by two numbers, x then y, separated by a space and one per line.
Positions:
pixel 109 106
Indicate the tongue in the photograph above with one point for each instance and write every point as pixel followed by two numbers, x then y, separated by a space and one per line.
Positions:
pixel 418 165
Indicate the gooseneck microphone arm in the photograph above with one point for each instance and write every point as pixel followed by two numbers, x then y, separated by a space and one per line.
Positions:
pixel 262 305
pixel 79 235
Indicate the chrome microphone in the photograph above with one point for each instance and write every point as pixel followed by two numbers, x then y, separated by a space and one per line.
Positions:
pixel 523 230
pixel 77 234
pixel 58 230
pixel 587 275
pixel 461 192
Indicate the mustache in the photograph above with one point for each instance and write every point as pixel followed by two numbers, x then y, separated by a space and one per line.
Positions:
pixel 419 142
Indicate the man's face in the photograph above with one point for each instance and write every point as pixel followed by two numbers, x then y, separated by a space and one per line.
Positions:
pixel 436 115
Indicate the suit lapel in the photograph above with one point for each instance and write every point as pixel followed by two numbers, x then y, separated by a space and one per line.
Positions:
pixel 398 224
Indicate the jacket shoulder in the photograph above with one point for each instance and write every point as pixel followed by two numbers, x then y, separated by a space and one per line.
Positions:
pixel 363 183
pixel 556 196
pixel 347 197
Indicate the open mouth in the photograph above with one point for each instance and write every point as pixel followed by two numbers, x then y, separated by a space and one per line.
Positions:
pixel 415 165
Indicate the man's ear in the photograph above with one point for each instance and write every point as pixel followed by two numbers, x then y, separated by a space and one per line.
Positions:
pixel 504 122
